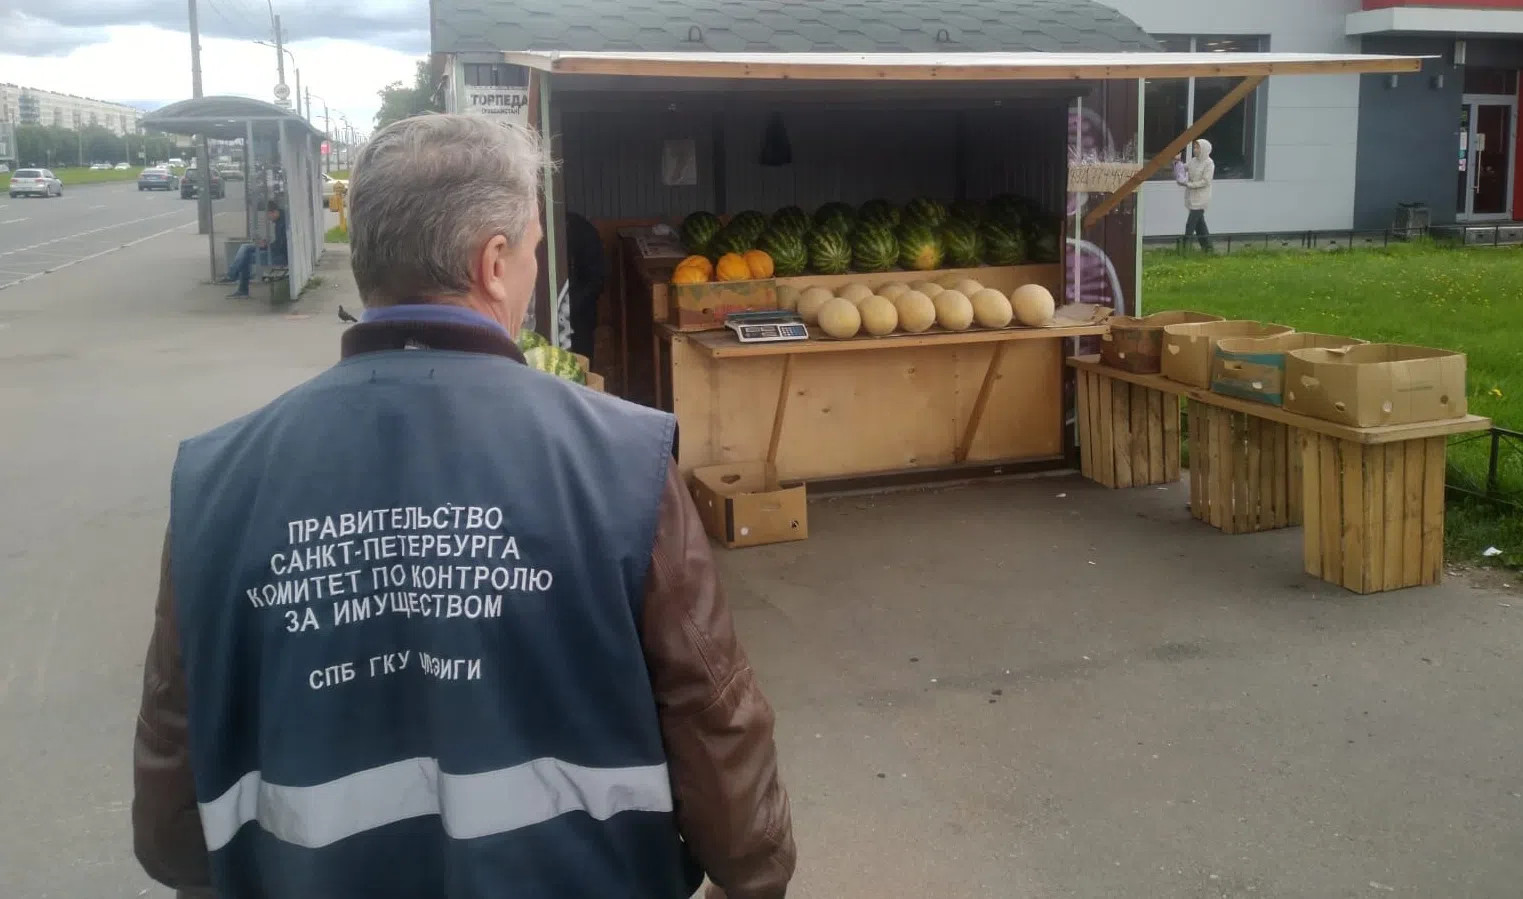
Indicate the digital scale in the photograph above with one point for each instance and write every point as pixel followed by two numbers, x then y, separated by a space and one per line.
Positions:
pixel 766 326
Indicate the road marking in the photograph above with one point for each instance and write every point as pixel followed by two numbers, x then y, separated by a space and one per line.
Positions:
pixel 146 218
pixel 64 265
pixel 101 206
pixel 12 221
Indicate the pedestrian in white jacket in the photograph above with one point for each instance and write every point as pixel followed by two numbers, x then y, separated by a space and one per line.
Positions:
pixel 1200 171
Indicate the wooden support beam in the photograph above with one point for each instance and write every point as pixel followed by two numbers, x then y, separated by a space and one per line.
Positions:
pixel 965 446
pixel 1167 154
pixel 784 387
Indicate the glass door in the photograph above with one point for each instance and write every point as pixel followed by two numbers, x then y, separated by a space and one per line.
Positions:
pixel 1488 125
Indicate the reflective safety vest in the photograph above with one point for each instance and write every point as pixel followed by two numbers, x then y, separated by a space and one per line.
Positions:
pixel 409 593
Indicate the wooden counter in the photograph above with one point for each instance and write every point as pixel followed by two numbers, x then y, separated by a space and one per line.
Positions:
pixel 942 404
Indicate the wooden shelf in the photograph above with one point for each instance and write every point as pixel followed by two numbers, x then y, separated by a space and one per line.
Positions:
pixel 1377 435
pixel 724 345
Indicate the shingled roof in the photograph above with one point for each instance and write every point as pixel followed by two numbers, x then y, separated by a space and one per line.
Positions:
pixel 786 26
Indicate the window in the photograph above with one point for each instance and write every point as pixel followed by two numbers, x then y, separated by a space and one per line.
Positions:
pixel 494 74
pixel 1173 104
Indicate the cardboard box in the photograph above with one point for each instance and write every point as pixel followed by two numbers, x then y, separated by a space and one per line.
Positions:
pixel 1136 344
pixel 1253 368
pixel 742 505
pixel 1188 350
pixel 1376 384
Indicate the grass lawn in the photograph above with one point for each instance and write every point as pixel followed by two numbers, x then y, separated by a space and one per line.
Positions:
pixel 336 234
pixel 1466 300
pixel 340 174
pixel 94 176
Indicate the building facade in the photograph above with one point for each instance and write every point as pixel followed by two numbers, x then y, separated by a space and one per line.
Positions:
pixel 1324 153
pixel 31 106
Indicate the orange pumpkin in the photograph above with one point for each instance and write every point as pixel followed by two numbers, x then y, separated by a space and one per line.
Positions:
pixel 759 263
pixel 702 263
pixel 689 274
pixel 732 267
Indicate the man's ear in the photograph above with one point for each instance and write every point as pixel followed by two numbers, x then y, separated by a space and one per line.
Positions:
pixel 492 268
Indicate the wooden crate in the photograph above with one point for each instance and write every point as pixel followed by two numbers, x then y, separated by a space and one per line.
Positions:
pixel 1136 344
pixel 1128 434
pixel 1374 512
pixel 1245 471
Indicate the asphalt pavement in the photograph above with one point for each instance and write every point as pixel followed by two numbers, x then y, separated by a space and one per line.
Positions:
pixel 39 236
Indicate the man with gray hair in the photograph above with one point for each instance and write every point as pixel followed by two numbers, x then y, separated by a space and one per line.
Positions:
pixel 434 624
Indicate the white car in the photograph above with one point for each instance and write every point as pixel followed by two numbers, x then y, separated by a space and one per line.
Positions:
pixel 122 166
pixel 35 183
pixel 329 185
pixel 100 167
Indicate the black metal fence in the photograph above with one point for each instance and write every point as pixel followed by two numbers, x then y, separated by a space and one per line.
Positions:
pixel 1503 484
pixel 1455 236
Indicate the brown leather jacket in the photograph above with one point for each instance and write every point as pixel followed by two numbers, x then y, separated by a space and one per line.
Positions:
pixel 730 804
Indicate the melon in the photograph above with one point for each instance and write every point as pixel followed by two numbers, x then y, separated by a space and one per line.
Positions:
pixel 879 317
pixel 873 248
pixel 788 297
pixel 966 286
pixel 789 254
pixel 929 288
pixel 829 252
pixel 963 244
pixel 919 247
pixel 1033 305
pixel 893 289
pixel 840 319
pixel 990 308
pixel 953 310
pixel 556 361
pixel 810 302
pixel 855 292
pixel 698 230
pixel 916 311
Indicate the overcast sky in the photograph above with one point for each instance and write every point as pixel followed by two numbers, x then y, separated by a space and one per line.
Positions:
pixel 140 50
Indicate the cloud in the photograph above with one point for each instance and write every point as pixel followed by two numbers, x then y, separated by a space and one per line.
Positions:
pixel 25 35
pixel 54 27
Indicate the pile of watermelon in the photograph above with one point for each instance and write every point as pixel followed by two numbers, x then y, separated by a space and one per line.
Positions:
pixel 922 235
pixel 556 361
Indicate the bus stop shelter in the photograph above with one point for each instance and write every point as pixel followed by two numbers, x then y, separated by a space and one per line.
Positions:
pixel 281 162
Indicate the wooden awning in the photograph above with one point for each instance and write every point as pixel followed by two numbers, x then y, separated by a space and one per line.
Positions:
pixel 955 67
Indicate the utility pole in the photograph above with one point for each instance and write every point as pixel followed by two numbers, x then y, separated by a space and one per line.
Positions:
pixel 204 191
pixel 280 60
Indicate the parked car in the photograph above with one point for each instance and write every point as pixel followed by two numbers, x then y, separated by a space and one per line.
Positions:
pixel 100 167
pixel 35 183
pixel 157 178
pixel 191 183
pixel 230 172
pixel 122 166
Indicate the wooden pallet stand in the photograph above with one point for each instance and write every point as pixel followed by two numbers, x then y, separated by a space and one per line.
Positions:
pixel 1245 471
pixel 1374 512
pixel 1128 433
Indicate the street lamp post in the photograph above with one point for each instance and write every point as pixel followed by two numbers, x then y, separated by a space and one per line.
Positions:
pixel 297 69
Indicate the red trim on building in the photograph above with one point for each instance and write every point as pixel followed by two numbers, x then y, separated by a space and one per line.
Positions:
pixel 1444 4
pixel 1517 161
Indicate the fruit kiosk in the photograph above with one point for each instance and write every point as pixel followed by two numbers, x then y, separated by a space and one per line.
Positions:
pixel 864 268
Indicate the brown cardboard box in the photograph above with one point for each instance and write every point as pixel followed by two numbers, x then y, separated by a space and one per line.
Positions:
pixel 1253 368
pixel 1136 344
pixel 1376 384
pixel 703 307
pixel 742 505
pixel 1189 349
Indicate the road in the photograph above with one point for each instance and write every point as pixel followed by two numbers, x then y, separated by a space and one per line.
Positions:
pixel 39 236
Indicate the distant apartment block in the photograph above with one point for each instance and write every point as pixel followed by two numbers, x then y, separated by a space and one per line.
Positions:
pixel 32 106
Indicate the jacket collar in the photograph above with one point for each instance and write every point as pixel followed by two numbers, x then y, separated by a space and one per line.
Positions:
pixel 404 334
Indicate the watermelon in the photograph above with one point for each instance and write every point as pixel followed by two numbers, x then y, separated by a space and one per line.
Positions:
pixel 919 247
pixel 528 340
pixel 837 217
pixel 1011 210
pixel 873 248
pixel 963 244
pixel 970 211
pixel 925 212
pixel 556 361
pixel 829 253
pixel 698 230
pixel 1003 245
pixel 730 240
pixel 789 254
pixel 1043 239
pixel 878 212
pixel 750 223
pixel 790 219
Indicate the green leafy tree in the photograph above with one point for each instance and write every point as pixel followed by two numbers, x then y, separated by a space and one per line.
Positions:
pixel 400 101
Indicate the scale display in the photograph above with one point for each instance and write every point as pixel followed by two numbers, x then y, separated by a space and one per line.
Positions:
pixel 767 326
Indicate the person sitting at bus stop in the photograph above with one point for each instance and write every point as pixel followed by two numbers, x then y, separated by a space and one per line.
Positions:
pixel 242 265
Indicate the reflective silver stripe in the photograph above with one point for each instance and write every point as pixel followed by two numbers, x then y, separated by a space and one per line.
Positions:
pixel 471 805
